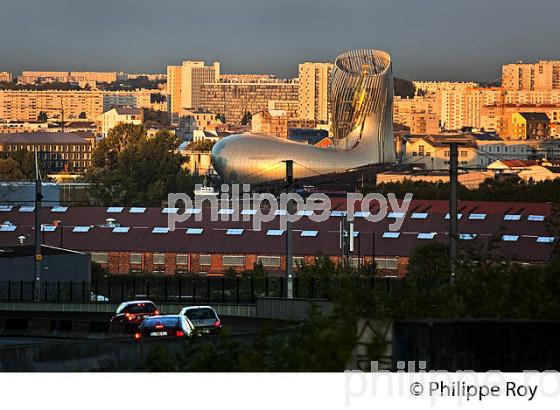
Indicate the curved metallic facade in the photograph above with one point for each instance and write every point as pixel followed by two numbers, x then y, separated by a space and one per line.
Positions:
pixel 362 126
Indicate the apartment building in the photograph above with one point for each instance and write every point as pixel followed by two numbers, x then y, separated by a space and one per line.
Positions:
pixel 314 88
pixel 25 105
pixel 95 76
pixel 530 126
pixel 119 115
pixel 432 87
pixel 174 89
pixel 234 99
pixel 270 122
pixel 5 77
pixel 543 75
pixel 58 151
pixel 142 98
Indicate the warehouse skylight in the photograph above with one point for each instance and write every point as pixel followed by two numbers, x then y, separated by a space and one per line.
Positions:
pixel 193 211
pixel 304 212
pixel 477 217
pixel 160 229
pixel 5 208
pixel 395 215
pixel 426 235
pixel 194 231
pixel 467 236
pixel 48 228
pixel 338 213
pixel 225 211
pixel 115 209
pixel 545 239
pixel 60 209
pixel 280 212
pixel 459 216
pixel 121 229
pixel 510 238
pixel 362 214
pixel 81 229
pixel 169 210
pixel 512 217
pixel 249 212
pixel 535 218
pixel 234 231
pixel 419 215
pixel 8 228
pixel 275 232
pixel 137 210
pixel 309 233
pixel 27 209
pixel 391 235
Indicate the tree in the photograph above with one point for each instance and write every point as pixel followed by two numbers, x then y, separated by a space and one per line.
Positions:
pixel 221 118
pixel 246 118
pixel 10 171
pixel 130 169
pixel 42 117
pixel 83 115
pixel 26 163
pixel 404 88
pixel 200 145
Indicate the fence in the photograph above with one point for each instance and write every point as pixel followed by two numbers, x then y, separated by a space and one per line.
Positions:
pixel 180 290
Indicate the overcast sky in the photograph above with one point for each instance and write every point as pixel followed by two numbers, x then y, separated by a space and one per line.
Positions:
pixel 428 39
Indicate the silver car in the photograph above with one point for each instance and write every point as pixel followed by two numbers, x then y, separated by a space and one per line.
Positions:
pixel 204 319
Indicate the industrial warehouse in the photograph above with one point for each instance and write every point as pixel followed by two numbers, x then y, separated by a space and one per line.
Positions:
pixel 136 239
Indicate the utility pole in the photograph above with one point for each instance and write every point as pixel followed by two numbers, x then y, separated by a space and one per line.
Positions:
pixel 38 255
pixel 453 217
pixel 289 250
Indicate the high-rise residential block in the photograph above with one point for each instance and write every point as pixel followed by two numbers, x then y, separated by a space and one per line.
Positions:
pixel 5 77
pixel 544 75
pixel 314 88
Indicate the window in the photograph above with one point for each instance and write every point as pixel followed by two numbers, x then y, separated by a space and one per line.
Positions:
pixel 204 260
pixel 297 261
pixel 535 218
pixel 269 261
pixel 137 210
pixel 194 231
pixel 426 235
pixel 309 233
pixel 99 257
pixel 510 238
pixel 464 154
pixel 421 150
pixel 229 260
pixel 275 232
pixel 419 215
pixel 81 229
pixel 160 229
pixel 391 235
pixel 545 239
pixel 115 209
pixel 182 259
pixel 511 217
pixel 467 236
pixel 136 258
pixel 121 229
pixel 446 153
pixel 477 217
pixel 159 258
pixel 386 263
pixel 234 232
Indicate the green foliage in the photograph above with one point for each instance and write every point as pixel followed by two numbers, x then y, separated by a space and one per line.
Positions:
pixel 259 270
pixel 42 117
pixel 508 189
pixel 404 88
pixel 201 145
pixel 20 165
pixel 10 171
pixel 83 115
pixel 246 118
pixel 129 169
pixel 154 118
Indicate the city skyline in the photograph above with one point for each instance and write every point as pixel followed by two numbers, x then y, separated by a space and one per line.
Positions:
pixel 430 41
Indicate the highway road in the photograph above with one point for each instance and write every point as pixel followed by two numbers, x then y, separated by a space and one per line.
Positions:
pixel 18 341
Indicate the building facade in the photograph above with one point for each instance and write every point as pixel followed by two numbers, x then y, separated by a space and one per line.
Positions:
pixel 530 126
pixel 314 89
pixel 270 122
pixel 543 75
pixel 5 77
pixel 57 151
pixel 119 115
pixel 25 105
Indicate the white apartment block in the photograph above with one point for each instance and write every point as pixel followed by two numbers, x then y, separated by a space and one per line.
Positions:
pixel 544 75
pixel 314 88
